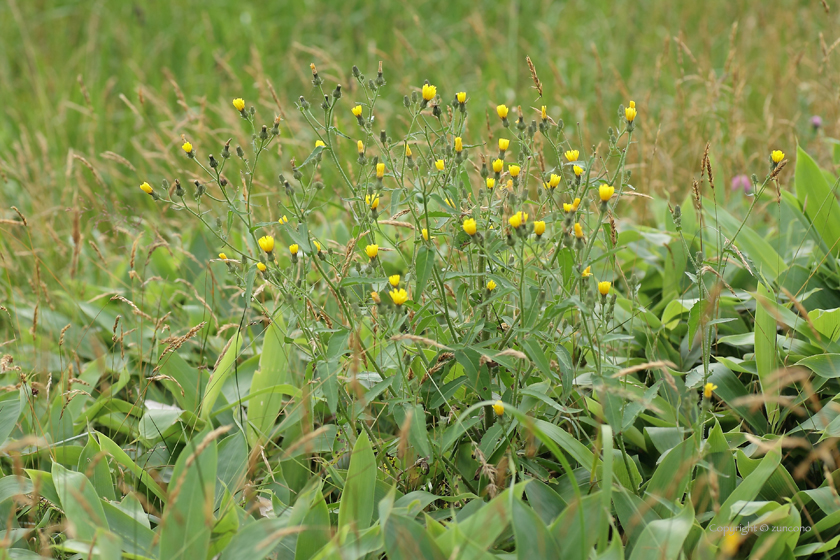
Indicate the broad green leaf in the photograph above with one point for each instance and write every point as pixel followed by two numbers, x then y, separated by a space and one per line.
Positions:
pixel 576 530
pixel 818 200
pixel 121 457
pixel 189 380
pixel 533 539
pixel 424 263
pixel 226 367
pixel 405 539
pixel 94 464
pixel 187 520
pixel 11 403
pixel 273 370
pixel 356 508
pixel 824 365
pixel 747 490
pixel 765 350
pixel 80 503
pixel 664 538
pixel 316 530
pixel 671 477
pixel 257 539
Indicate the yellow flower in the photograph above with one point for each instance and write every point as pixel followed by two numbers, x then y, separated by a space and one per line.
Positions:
pixel 371 251
pixel 293 248
pixel 707 390
pixel 499 408
pixel 461 96
pixel 261 267
pixel 429 92
pixel 407 150
pixel 578 231
pixel 266 243
pixel 544 113
pixel 567 208
pixel 394 280
pixel 380 170
pixel 375 297
pixel 587 272
pixel 518 219
pixel 239 103
pixel 502 111
pixel 283 220
pixel 575 204
pixel 187 147
pixel 360 147
pixel 357 111
pixel 553 181
pixel 439 165
pixel 578 170
pixel 146 188
pixel 730 543
pixel 491 286
pixel 504 143
pixel 320 143
pixel 777 156
pixel 223 256
pixel 572 155
pixel 399 297
pixel 630 112
pixel 605 192
pixel 514 170
pixel 604 287
pixel 470 226
pixel 459 145
pixel 372 201
pixel 509 184
pixel 490 182
pixel 498 165
pixel 539 227
pixel 317 245
pixel 449 202
pixel 425 234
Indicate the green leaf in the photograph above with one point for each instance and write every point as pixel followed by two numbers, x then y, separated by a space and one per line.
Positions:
pixel 747 490
pixel 256 540
pixel 424 263
pixel 187 520
pixel 93 463
pixel 818 200
pixel 765 350
pixel 664 486
pixel 824 365
pixel 123 459
pixel 273 370
pixel 190 380
pixel 576 530
pixel 405 539
pixel 356 508
pixel 80 503
pixel 664 538
pixel 227 365
pixel 316 532
pixel 533 539
pixel 11 404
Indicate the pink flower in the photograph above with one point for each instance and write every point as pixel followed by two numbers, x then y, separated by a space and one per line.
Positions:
pixel 741 182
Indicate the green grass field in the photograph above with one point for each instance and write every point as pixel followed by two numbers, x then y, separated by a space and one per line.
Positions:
pixel 615 337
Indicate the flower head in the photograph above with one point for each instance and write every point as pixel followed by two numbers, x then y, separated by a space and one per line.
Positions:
pixel 504 144
pixel 605 192
pixel 357 111
pixel 261 267
pixel 449 202
pixel 731 542
pixel 490 182
pixel 223 256
pixel 587 272
pixel 553 181
pixel 425 233
pixel 539 227
pixel 604 287
pixel 777 156
pixel 459 144
pixel 380 170
pixel 371 251
pixel 320 144
pixel 360 147
pixel 572 155
pixel 146 188
pixel 439 165
pixel 567 208
pixel 283 220
pixel 461 96
pixel 578 231
pixel 372 201
pixel 491 286
pixel 578 170
pixel 239 104
pixel 187 147
pixel 630 114
pixel 266 243
pixel 429 92
pixel 707 390
pixel 394 280
pixel 407 151
pixel 499 408
pixel 514 170
pixel 498 165
pixel 399 297
pixel 293 248
pixel 470 226
pixel 317 245
pixel 543 113
pixel 502 111
pixel 518 219
pixel 575 204
pixel 375 297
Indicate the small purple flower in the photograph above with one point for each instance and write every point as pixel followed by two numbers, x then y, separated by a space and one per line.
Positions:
pixel 816 122
pixel 741 182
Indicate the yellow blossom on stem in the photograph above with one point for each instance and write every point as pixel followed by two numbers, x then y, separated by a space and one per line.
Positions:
pixel 587 272
pixel 459 145
pixel 575 204
pixel 504 143
pixel 578 170
pixel 261 267
pixel 360 147
pixel 375 297
pixel 425 233
pixel 544 113
pixel 553 181
pixel 357 111
pixel 461 96
pixel 578 231
pixel 514 170
pixel 317 245
pixel 187 147
pixel 266 243
pixel 293 249
pixel 730 543
pixel 539 227
pixel 380 170
pixel 572 155
pixel 567 208
pixel 394 280
pixel 439 164
pixel 449 202
pixel 708 388
pixel 283 220
pixel 502 111
pixel 499 408
pixel 777 156
pixel 223 256
pixel 470 227
pixel 429 92
pixel 146 188
pixel 407 150
pixel 490 182
pixel 518 219
pixel 604 287
pixel 239 104
pixel 399 297
pixel 605 192
pixel 372 201
pixel 491 286
pixel 371 251
pixel 630 112
pixel 498 165
pixel 320 143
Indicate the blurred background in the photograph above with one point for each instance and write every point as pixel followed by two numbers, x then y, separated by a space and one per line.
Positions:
pixel 96 95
